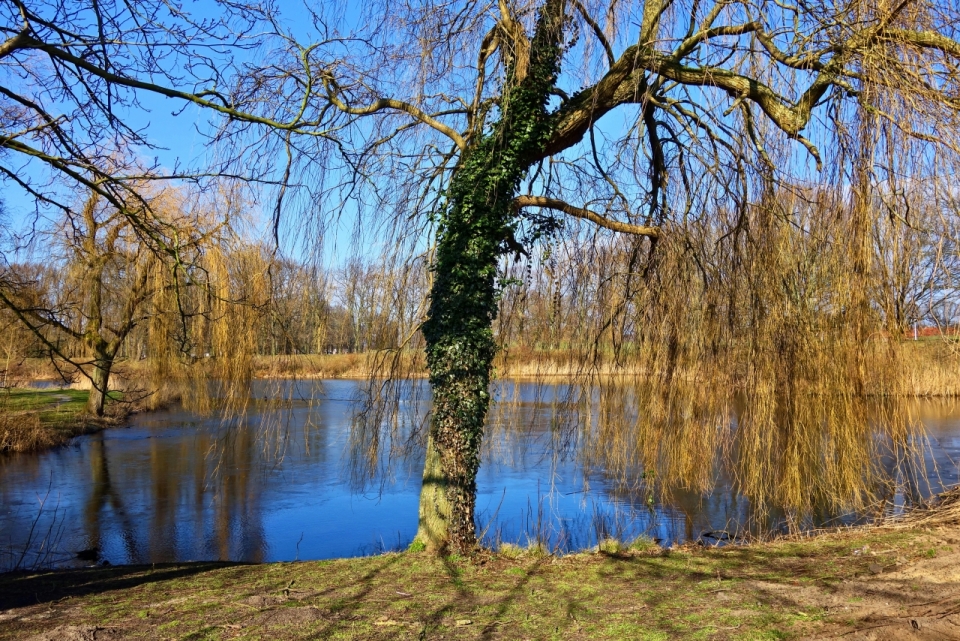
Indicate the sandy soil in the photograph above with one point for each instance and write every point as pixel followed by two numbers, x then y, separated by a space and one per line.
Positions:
pixel 918 600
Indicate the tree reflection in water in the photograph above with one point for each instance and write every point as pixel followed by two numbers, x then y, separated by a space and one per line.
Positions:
pixel 176 487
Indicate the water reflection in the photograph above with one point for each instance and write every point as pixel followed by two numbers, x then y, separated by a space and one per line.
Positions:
pixel 175 487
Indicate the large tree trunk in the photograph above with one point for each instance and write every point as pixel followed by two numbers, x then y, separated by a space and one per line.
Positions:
pixel 473 235
pixel 434 513
pixel 100 378
pixel 460 351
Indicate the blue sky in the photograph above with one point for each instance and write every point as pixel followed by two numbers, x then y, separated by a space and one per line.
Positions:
pixel 177 131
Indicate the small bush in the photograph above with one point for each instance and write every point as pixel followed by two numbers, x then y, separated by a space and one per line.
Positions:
pixel 22 432
pixel 537 550
pixel 643 544
pixel 610 546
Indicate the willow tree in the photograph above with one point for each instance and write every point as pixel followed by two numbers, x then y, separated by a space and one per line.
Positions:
pixel 480 129
pixel 680 78
pixel 107 284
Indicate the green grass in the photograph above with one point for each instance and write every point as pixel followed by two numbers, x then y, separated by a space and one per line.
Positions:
pixel 35 419
pixel 742 592
pixel 46 400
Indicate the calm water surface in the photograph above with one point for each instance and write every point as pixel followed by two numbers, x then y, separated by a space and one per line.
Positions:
pixel 176 487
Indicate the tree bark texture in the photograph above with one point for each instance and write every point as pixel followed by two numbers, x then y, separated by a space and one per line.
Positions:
pixel 434 513
pixel 100 379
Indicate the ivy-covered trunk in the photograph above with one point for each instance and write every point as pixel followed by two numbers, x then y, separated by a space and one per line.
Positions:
pixel 473 234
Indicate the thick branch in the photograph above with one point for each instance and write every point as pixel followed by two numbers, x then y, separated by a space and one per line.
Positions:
pixel 624 82
pixel 924 39
pixel 10 45
pixel 398 105
pixel 586 214
pixel 622 85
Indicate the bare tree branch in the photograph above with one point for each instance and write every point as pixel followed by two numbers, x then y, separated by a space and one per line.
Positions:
pixel 586 214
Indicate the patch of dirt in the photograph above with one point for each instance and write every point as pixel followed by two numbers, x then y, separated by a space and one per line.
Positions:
pixel 917 599
pixel 78 633
pixel 263 600
pixel 914 629
pixel 167 603
pixel 290 616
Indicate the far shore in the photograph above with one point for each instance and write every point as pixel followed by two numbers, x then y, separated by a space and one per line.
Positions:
pixel 33 419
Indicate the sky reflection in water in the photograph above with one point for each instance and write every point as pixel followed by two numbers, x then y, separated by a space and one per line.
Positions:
pixel 177 487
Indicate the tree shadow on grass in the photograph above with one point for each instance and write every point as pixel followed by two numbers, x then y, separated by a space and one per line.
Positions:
pixel 460 603
pixel 22 589
pixel 347 611
pixel 409 595
pixel 509 599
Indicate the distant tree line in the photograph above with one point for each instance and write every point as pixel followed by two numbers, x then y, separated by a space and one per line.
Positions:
pixel 556 301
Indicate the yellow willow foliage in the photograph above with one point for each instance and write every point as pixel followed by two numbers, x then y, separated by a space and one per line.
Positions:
pixel 753 353
pixel 813 359
pixel 170 373
pixel 238 296
pixel 205 330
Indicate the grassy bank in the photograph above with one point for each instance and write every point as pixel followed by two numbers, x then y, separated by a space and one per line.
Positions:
pixel 32 419
pixel 838 584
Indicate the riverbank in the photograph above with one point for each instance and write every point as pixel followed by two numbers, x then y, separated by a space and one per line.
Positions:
pixel 859 584
pixel 32 420
pixel 930 367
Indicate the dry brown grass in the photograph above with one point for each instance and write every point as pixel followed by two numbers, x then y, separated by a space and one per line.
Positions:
pixel 312 366
pixel 940 510
pixel 930 367
pixel 356 365
pixel 25 433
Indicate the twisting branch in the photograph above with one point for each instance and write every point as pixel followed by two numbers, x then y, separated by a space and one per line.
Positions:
pixel 390 103
pixel 29 42
pixel 585 214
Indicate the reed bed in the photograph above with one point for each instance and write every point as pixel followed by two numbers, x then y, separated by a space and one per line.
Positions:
pixel 23 432
pixel 940 510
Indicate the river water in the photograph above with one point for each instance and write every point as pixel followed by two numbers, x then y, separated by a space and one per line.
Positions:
pixel 173 486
